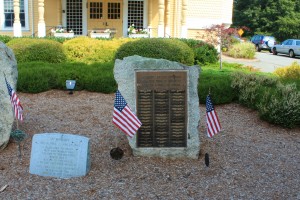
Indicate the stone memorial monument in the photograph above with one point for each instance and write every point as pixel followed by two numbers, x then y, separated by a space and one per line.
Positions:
pixel 60 155
pixel 164 96
pixel 8 66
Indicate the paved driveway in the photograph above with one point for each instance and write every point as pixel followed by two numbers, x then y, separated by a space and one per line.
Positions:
pixel 265 61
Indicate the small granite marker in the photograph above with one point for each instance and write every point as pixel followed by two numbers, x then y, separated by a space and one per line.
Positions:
pixel 60 155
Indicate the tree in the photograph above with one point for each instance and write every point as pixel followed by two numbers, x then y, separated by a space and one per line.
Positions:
pixel 271 17
pixel 220 37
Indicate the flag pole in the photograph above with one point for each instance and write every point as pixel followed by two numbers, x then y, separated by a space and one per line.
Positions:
pixel 17 124
pixel 116 153
pixel 212 122
pixel 116 138
pixel 124 118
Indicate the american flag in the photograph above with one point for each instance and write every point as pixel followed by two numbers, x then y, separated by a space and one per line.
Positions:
pixel 212 120
pixel 123 117
pixel 15 102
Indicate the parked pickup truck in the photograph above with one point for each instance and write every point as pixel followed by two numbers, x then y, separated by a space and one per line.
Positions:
pixel 290 47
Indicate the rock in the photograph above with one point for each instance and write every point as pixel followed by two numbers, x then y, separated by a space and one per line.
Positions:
pixel 125 74
pixel 8 66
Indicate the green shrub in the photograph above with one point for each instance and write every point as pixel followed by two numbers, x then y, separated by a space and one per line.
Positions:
pixel 289 72
pixel 276 103
pixel 204 53
pixel 35 77
pixel 281 106
pixel 218 84
pixel 170 49
pixel 250 87
pixel 34 49
pixel 5 38
pixel 242 50
pixel 90 50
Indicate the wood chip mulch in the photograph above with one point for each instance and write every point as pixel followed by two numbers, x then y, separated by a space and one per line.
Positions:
pixel 249 159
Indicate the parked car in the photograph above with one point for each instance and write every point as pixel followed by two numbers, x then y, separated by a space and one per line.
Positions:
pixel 263 42
pixel 290 47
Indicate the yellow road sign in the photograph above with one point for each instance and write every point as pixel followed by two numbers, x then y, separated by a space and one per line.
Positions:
pixel 240 32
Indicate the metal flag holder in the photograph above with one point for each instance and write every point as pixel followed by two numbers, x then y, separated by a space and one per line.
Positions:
pixel 116 153
pixel 206 157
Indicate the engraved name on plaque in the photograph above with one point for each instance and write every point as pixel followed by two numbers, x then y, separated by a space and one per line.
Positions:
pixel 162 108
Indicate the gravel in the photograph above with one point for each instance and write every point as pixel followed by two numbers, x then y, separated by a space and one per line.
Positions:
pixel 249 159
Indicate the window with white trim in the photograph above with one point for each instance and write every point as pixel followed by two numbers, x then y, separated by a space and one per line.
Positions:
pixel 7 14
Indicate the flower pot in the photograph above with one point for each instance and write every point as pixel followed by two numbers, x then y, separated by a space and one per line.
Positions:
pixel 139 35
pixel 65 35
pixel 100 35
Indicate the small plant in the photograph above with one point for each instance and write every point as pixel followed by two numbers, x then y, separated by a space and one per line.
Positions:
pixel 101 31
pixel 242 50
pixel 5 38
pixel 61 30
pixel 133 30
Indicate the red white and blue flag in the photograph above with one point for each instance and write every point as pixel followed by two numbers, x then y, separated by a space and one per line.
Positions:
pixel 15 102
pixel 123 117
pixel 212 120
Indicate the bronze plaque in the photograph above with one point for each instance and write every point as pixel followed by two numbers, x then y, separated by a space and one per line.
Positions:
pixel 162 108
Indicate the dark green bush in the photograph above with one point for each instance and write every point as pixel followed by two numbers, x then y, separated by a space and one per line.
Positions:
pixel 170 49
pixel 218 84
pixel 35 77
pixel 34 49
pixel 276 102
pixel 5 38
pixel 204 53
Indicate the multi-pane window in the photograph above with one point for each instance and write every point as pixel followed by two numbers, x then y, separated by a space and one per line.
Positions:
pixel 114 11
pixel 74 16
pixel 96 10
pixel 9 13
pixel 136 14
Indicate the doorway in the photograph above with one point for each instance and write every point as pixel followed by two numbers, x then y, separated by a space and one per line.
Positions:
pixel 105 14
